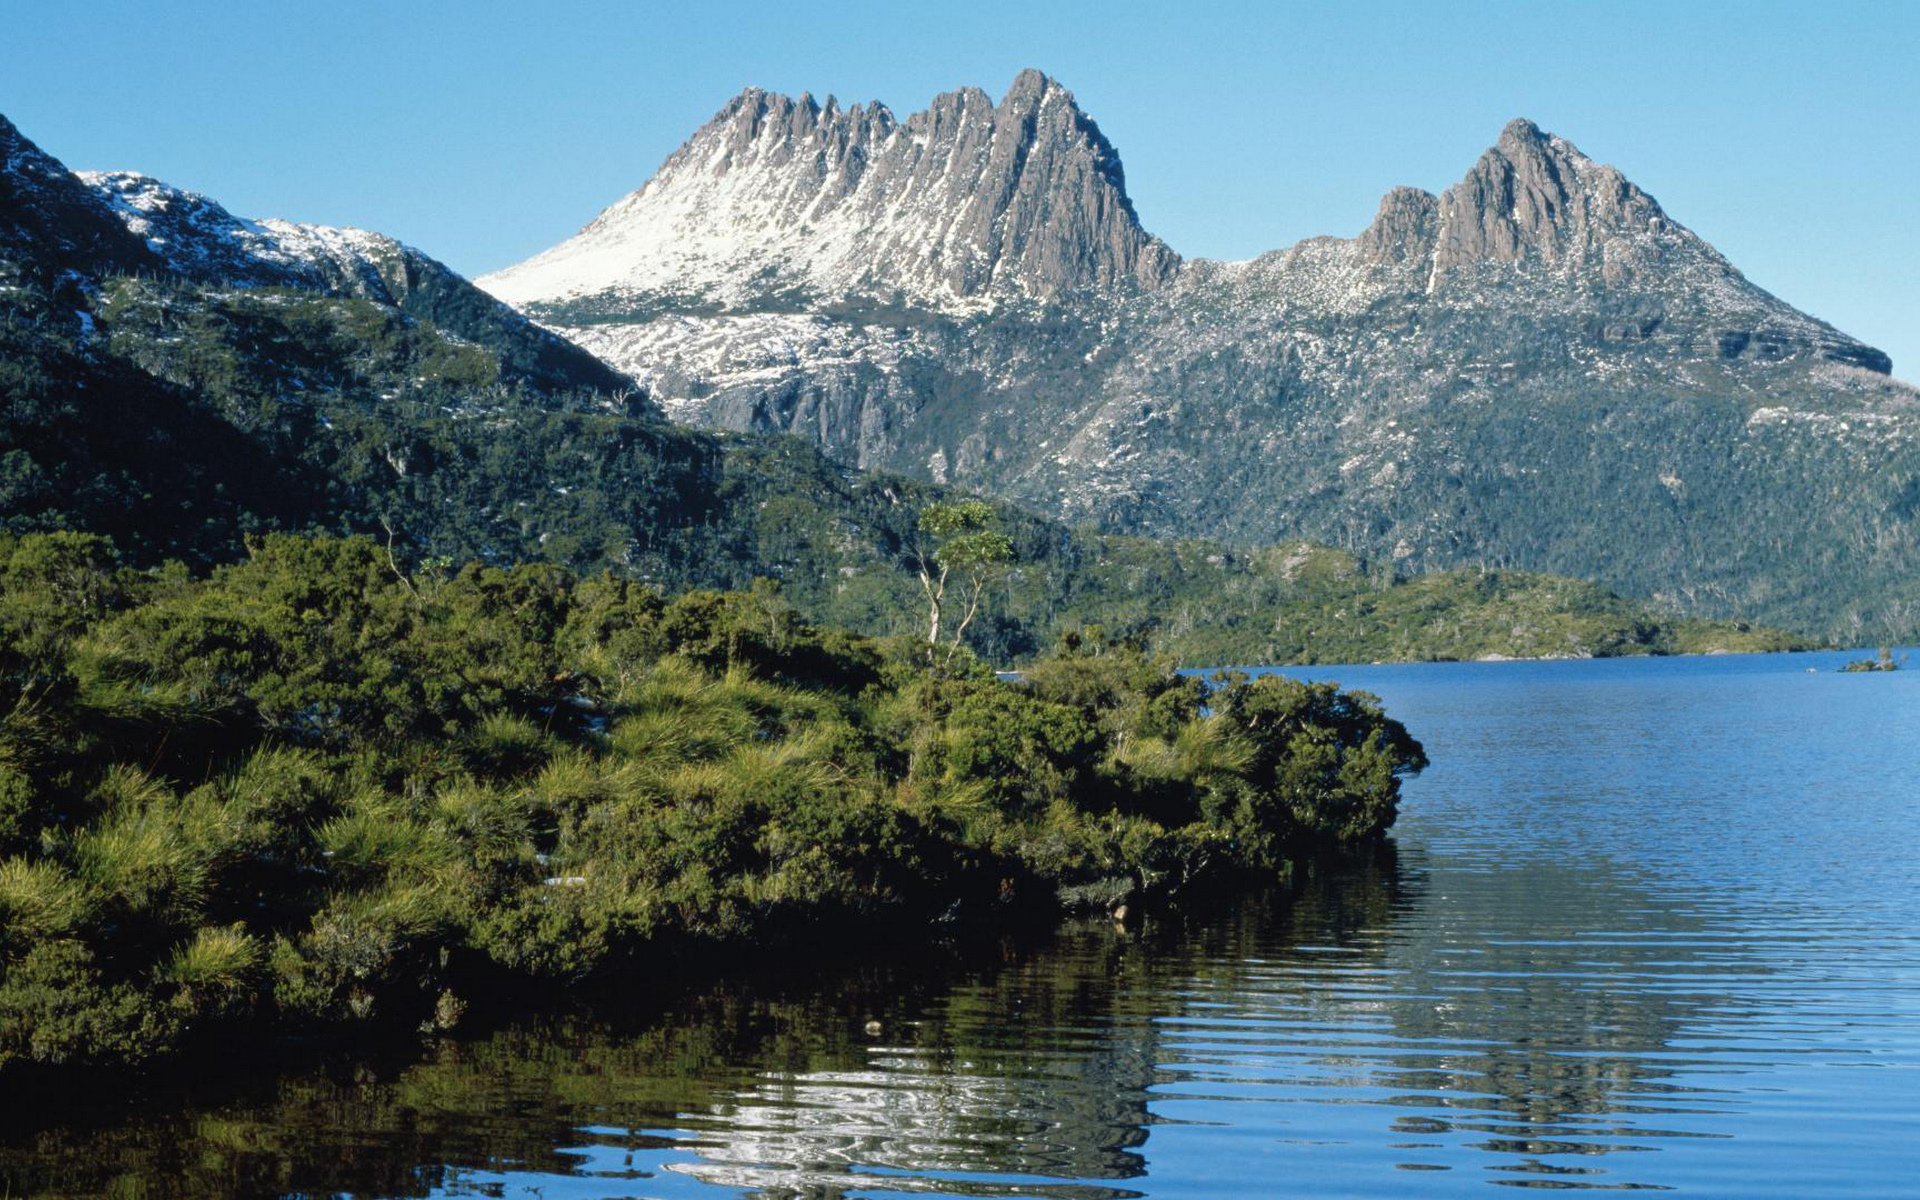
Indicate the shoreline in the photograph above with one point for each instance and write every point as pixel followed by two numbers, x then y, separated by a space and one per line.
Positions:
pixel 1496 659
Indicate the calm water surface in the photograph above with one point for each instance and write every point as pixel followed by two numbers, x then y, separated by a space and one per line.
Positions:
pixel 1649 924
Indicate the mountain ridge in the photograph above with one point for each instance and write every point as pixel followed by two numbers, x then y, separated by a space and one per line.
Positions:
pixel 194 237
pixel 1531 196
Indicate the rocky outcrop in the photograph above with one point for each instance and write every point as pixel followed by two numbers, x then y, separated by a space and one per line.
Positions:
pixel 1404 229
pixel 1532 197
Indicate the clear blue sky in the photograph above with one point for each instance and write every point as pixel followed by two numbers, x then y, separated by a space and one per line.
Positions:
pixel 1786 134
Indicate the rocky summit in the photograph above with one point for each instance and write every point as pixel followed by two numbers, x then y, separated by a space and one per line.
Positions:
pixel 1537 368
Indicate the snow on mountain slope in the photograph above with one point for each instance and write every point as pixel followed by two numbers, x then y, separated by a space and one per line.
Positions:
pixel 197 238
pixel 739 221
pixel 194 237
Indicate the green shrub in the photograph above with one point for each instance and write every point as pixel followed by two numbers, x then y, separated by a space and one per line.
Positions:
pixel 1325 764
pixel 217 972
pixel 1025 752
pixel 145 867
pixel 506 745
pixel 18 820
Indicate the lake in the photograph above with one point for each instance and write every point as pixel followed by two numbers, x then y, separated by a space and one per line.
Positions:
pixel 1644 924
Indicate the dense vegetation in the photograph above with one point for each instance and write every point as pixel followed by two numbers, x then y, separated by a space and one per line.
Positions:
pixel 314 790
pixel 180 420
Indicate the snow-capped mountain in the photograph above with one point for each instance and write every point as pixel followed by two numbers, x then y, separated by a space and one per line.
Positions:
pixel 966 200
pixel 194 237
pixel 1538 367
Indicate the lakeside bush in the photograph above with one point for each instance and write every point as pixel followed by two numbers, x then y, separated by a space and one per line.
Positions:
pixel 308 790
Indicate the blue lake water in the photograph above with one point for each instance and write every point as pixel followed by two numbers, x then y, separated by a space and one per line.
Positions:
pixel 1644 924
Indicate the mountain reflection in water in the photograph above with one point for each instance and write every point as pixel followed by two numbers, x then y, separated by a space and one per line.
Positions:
pixel 1644 926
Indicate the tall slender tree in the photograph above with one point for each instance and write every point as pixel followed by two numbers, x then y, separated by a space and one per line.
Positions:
pixel 966 549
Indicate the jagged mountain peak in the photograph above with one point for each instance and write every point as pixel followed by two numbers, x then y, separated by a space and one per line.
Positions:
pixel 1533 199
pixel 967 201
pixel 1521 132
pixel 1533 196
pixel 756 104
pixel 1537 222
pixel 1535 365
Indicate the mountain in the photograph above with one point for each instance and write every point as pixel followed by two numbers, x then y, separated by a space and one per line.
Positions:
pixel 1537 368
pixel 65 228
pixel 50 219
pixel 197 378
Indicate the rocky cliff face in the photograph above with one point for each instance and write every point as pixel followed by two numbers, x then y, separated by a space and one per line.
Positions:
pixel 1538 367
pixel 776 197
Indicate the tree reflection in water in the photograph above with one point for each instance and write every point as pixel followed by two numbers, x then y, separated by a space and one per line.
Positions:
pixel 1005 1070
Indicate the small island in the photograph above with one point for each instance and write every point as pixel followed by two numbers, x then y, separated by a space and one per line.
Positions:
pixel 1881 662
